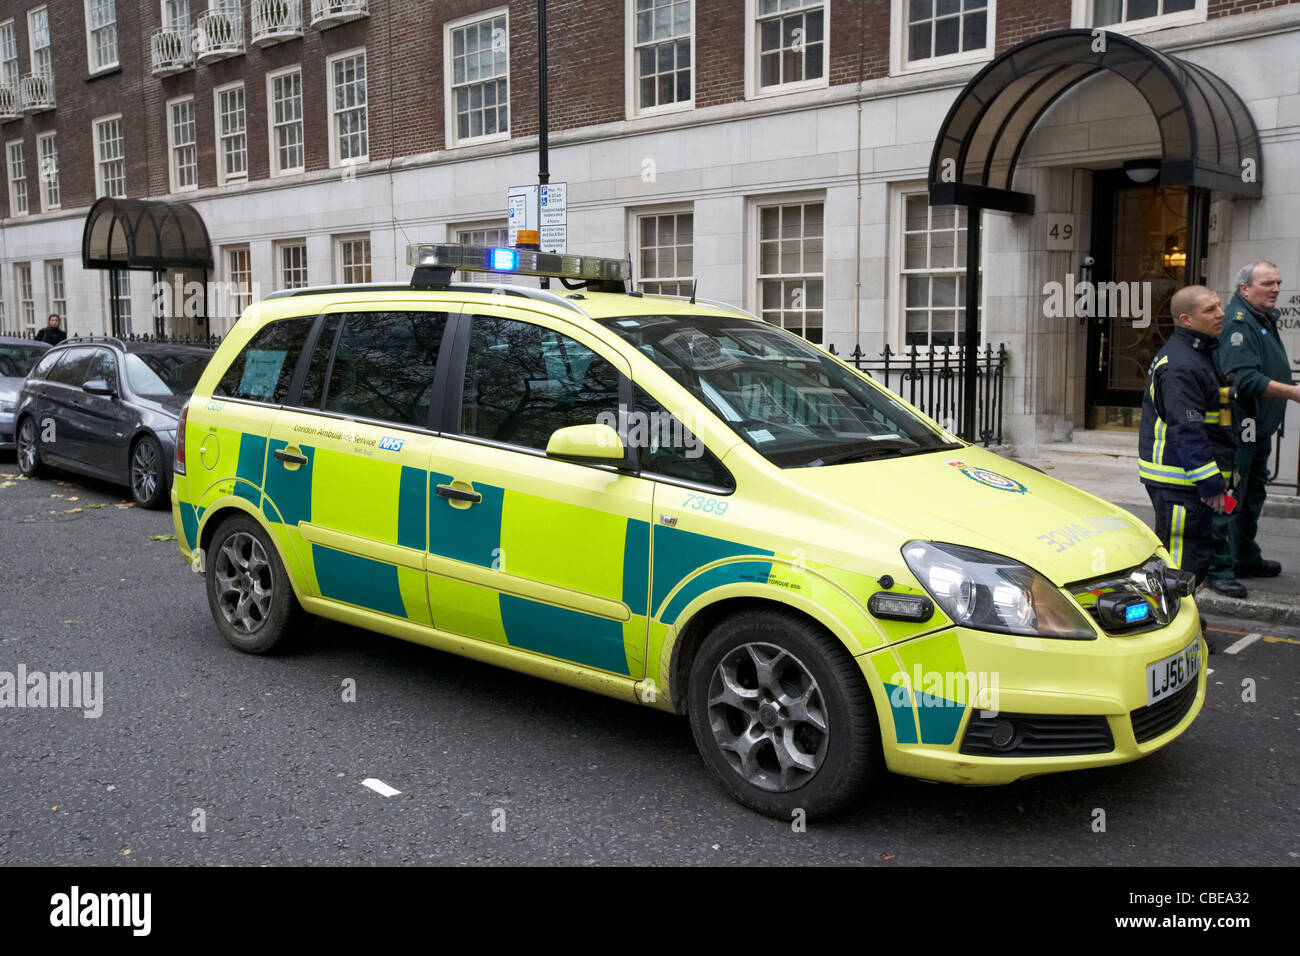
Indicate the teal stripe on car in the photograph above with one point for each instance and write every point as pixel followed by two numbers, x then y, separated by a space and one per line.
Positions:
pixel 900 705
pixel 356 580
pixel 189 524
pixel 636 565
pixel 412 526
pixel 730 573
pixel 678 553
pixel 940 718
pixel 472 534
pixel 290 491
pixel 251 467
pixel 560 632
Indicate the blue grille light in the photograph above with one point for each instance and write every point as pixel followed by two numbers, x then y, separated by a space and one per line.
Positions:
pixel 1136 612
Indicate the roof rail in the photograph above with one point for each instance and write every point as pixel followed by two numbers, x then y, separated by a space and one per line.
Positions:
pixel 497 288
pixel 111 339
pixel 711 303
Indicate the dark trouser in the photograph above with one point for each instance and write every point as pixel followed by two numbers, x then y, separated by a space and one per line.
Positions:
pixel 1185 527
pixel 1235 533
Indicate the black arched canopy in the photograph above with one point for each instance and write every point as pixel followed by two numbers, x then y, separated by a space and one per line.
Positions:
pixel 144 234
pixel 1207 134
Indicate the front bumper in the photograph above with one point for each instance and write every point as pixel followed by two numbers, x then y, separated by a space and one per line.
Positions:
pixel 7 442
pixel 1074 704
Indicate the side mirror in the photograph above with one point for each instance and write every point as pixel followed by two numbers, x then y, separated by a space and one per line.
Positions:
pixel 586 444
pixel 97 386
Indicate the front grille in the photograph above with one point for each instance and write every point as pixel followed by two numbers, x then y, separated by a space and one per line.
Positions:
pixel 1038 735
pixel 1155 719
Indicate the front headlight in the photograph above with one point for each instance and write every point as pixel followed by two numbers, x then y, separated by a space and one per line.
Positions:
pixel 8 406
pixel 989 592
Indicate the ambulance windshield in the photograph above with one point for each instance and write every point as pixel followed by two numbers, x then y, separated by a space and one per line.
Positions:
pixel 794 404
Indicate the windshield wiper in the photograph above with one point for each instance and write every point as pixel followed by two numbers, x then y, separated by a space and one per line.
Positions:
pixel 882 448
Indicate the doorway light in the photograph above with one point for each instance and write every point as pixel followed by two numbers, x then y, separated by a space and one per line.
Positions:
pixel 1175 256
pixel 1141 170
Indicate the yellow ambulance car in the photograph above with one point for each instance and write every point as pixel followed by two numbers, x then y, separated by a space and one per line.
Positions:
pixel 673 503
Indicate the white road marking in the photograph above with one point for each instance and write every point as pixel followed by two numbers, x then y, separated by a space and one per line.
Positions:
pixel 1239 646
pixel 381 788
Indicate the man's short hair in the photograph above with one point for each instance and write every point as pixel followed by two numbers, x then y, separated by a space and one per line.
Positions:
pixel 1246 276
pixel 1186 299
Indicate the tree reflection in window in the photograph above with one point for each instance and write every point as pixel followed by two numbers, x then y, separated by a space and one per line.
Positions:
pixel 522 382
pixel 384 365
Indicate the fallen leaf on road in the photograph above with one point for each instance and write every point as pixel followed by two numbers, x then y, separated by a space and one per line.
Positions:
pixel 74 511
pixel 7 484
pixel 96 506
pixel 128 504
pixel 162 537
pixel 74 498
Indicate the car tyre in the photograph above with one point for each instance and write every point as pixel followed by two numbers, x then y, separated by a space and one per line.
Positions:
pixel 783 716
pixel 28 448
pixel 249 592
pixel 149 485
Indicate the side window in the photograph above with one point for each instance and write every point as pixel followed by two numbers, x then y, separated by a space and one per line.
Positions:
pixel 523 381
pixel 103 365
pixel 313 386
pixel 263 370
pixel 72 370
pixel 665 446
pixel 46 363
pixel 384 364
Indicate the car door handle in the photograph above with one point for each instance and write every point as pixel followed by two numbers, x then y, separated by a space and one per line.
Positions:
pixel 289 457
pixel 455 494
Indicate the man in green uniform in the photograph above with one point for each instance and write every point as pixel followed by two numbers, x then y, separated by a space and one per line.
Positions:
pixel 1251 356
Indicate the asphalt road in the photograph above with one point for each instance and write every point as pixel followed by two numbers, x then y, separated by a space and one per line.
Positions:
pixel 498 768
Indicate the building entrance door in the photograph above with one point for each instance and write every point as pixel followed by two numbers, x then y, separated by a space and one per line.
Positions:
pixel 1140 242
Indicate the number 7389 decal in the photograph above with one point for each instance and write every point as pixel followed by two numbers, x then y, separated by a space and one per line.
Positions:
pixel 705 503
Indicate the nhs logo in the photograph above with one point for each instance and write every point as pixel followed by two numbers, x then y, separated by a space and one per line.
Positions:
pixel 389 443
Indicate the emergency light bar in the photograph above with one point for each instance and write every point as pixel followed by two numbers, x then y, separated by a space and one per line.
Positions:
pixel 612 274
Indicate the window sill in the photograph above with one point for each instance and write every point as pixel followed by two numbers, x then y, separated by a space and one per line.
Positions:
pixel 683 107
pixel 943 62
pixel 760 93
pixel 105 71
pixel 479 140
pixel 1151 24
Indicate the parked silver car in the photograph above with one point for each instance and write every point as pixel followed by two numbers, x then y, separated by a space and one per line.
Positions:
pixel 17 358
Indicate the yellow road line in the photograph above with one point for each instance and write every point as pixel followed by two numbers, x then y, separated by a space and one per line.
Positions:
pixel 1270 639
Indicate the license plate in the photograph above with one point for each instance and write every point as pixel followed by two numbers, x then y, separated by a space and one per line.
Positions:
pixel 1172 674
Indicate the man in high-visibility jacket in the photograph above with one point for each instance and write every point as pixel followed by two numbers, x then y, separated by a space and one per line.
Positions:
pixel 1185 446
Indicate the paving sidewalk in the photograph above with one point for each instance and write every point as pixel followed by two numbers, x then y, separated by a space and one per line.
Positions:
pixel 1112 475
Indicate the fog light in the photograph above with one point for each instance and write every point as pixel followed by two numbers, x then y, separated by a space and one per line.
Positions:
pixel 1004 734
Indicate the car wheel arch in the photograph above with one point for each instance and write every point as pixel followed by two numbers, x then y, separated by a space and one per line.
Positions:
pixel 216 517
pixel 679 652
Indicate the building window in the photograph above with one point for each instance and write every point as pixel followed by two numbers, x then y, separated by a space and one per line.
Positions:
pixel 38 34
pixel 47 147
pixel 291 257
pixel 491 235
pixel 662 53
pixel 17 178
pixel 352 254
pixel 26 300
pixel 790 270
pixel 9 70
pixel 181 133
pixel 239 275
pixel 232 138
pixel 933 277
pixel 286 122
pixel 101 33
pixel 946 31
pixel 479 83
pixel 790 43
pixel 110 158
pixel 1137 13
pixel 119 300
pixel 56 290
pixel 349 139
pixel 667 252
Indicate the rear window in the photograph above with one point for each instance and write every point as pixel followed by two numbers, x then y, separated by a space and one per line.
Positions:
pixel 263 371
pixel 158 374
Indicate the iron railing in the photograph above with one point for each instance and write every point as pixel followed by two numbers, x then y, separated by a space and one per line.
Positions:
pixel 931 379
pixel 207 341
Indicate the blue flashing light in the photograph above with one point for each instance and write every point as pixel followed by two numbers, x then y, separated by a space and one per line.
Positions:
pixel 1136 612
pixel 505 260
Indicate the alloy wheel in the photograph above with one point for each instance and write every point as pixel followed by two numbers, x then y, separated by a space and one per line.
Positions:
pixel 244 582
pixel 144 471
